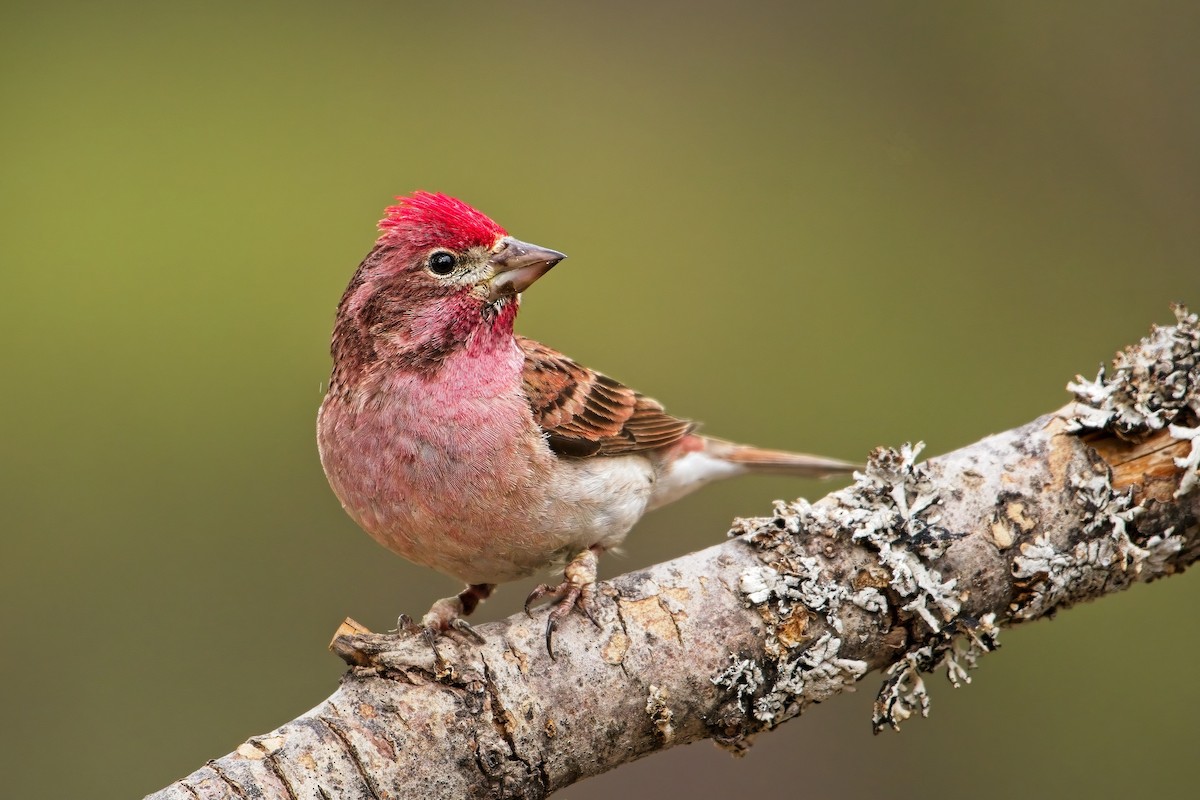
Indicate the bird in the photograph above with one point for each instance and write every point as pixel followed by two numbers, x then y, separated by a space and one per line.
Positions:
pixel 483 454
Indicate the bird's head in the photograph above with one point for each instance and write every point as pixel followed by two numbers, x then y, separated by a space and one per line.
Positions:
pixel 447 247
pixel 439 272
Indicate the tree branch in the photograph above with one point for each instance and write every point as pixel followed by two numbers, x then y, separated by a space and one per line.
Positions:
pixel 913 568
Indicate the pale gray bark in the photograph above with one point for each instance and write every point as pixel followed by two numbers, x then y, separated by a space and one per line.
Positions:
pixel 913 568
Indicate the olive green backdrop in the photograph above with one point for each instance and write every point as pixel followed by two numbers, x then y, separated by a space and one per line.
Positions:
pixel 823 226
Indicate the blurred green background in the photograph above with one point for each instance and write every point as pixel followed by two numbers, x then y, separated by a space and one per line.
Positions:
pixel 821 226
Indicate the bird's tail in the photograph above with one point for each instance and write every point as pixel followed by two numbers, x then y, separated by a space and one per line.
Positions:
pixel 702 459
pixel 777 462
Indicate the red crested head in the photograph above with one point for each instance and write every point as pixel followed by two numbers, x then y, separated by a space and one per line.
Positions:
pixel 431 219
pixel 442 278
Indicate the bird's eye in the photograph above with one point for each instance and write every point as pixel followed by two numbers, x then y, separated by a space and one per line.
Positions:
pixel 442 263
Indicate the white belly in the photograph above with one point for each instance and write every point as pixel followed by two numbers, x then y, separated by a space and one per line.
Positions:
pixel 595 501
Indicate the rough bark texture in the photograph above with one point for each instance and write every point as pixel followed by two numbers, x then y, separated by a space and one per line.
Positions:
pixel 913 568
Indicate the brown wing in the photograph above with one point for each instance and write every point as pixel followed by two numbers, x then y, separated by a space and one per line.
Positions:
pixel 585 413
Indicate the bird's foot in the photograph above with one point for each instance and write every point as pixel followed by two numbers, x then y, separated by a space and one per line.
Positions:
pixel 448 614
pixel 444 616
pixel 578 590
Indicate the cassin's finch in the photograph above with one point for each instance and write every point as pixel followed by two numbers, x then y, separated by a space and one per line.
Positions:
pixel 482 454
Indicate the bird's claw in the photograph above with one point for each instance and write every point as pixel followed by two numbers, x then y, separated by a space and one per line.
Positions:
pixel 408 627
pixel 443 618
pixel 577 590
pixel 462 626
pixel 540 591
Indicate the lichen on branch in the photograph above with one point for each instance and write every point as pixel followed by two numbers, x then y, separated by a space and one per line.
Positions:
pixel 1094 546
pixel 1153 383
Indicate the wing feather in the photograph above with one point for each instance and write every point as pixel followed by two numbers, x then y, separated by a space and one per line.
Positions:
pixel 586 413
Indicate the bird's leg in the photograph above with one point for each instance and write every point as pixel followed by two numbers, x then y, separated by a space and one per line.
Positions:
pixel 576 591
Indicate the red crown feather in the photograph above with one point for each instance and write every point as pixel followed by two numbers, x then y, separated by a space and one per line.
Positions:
pixel 431 219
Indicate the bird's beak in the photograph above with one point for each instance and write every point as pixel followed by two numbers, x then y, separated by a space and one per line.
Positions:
pixel 516 265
